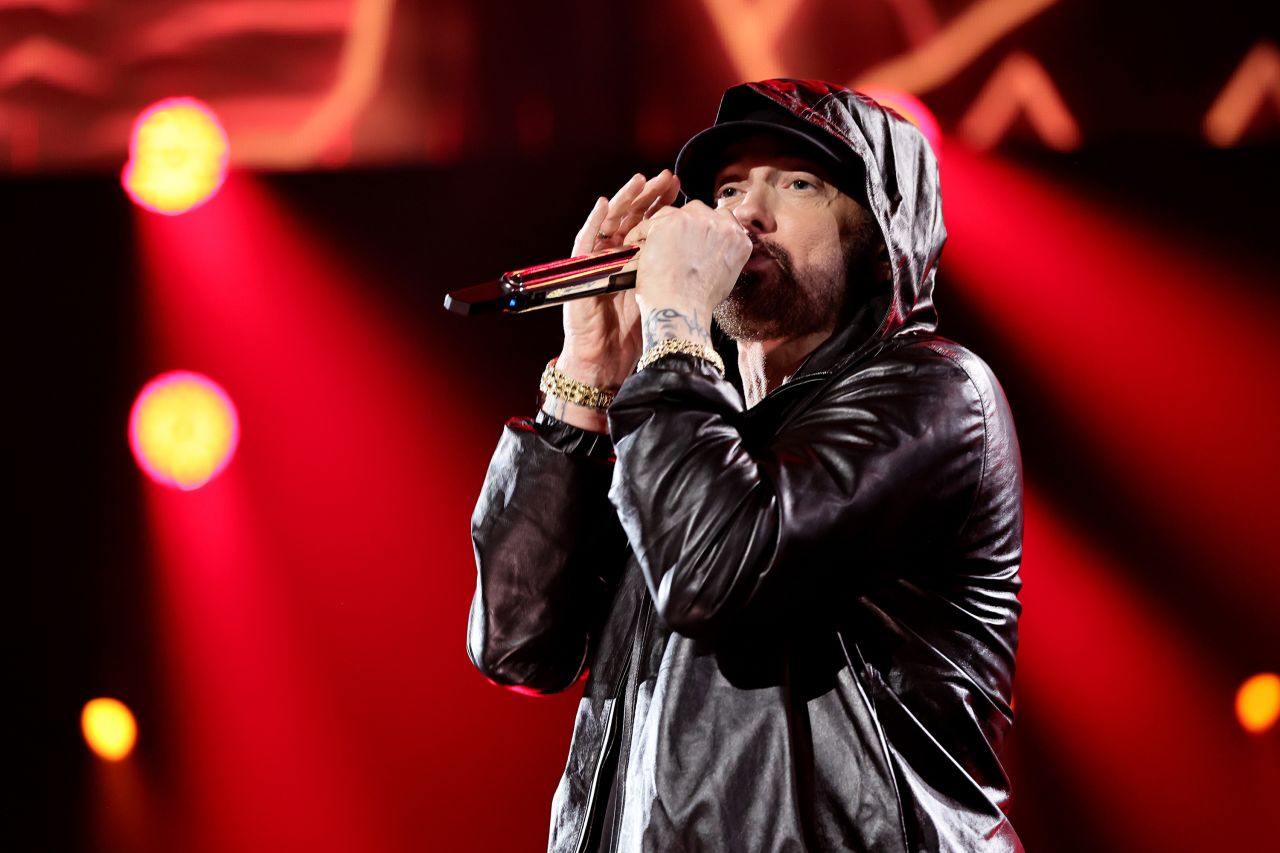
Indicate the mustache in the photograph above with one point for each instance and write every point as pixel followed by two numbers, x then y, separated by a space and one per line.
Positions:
pixel 779 254
pixel 759 244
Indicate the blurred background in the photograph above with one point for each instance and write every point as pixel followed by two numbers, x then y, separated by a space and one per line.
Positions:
pixel 249 438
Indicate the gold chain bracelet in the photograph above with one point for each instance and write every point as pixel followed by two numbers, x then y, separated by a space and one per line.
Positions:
pixel 563 387
pixel 672 346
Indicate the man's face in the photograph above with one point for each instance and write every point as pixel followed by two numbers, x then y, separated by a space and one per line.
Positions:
pixel 809 237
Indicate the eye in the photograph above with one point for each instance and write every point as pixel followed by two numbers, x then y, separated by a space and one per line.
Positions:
pixel 725 192
pixel 801 184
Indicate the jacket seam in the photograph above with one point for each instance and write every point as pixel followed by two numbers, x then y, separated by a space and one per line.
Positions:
pixel 843 371
pixel 982 405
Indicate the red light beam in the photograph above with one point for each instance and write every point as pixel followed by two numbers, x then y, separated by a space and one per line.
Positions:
pixel 1163 358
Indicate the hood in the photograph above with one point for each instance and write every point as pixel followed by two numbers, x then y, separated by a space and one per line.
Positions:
pixel 902 193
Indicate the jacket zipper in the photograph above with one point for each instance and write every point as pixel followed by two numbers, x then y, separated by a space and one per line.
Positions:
pixel 633 688
pixel 595 777
pixel 625 685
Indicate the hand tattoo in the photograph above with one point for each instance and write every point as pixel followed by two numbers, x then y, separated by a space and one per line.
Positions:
pixel 665 323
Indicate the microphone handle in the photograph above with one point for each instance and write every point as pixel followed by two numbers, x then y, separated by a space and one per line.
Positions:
pixel 545 285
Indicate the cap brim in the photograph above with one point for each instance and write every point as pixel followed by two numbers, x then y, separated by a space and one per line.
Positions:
pixel 703 156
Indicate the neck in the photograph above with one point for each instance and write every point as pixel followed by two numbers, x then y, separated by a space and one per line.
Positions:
pixel 765 365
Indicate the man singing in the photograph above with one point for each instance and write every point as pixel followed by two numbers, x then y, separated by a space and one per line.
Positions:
pixel 797 613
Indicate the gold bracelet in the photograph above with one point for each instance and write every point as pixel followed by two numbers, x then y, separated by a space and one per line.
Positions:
pixel 563 387
pixel 672 346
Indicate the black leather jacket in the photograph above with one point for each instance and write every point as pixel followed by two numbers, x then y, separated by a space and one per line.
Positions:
pixel 798 621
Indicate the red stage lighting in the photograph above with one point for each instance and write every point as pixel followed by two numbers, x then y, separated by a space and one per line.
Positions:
pixel 183 429
pixel 1258 702
pixel 109 728
pixel 177 156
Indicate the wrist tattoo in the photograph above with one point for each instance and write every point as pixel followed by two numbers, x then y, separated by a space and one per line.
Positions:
pixel 665 323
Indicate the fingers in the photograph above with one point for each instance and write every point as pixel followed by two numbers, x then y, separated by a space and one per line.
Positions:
pixel 727 214
pixel 715 231
pixel 639 232
pixel 618 206
pixel 668 186
pixel 696 210
pixel 667 196
pixel 585 241
pixel 635 201
pixel 724 214
pixel 650 198
pixel 652 191
pixel 738 239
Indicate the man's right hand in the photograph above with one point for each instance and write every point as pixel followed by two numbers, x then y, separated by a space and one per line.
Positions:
pixel 602 337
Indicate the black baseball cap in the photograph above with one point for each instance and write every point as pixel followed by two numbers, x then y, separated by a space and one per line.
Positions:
pixel 705 154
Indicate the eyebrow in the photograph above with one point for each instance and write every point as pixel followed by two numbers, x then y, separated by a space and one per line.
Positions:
pixel 724 178
pixel 734 173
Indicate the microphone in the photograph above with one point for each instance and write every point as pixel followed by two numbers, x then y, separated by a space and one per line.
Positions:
pixel 549 284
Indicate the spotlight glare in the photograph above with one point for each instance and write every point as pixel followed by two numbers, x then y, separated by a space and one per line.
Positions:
pixel 183 429
pixel 177 156
pixel 109 728
pixel 1258 702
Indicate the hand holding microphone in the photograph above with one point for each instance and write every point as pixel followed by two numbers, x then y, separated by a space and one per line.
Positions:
pixel 691 260
pixel 602 334
pixel 692 265
pixel 602 338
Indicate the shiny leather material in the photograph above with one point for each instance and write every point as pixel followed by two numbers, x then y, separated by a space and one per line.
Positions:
pixel 798 621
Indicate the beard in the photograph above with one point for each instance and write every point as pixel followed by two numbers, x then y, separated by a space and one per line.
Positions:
pixel 764 307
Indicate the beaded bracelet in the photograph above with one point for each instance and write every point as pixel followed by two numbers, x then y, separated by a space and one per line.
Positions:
pixel 672 346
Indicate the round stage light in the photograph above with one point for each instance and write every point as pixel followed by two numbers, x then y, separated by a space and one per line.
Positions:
pixel 177 156
pixel 909 107
pixel 183 429
pixel 109 728
pixel 1258 702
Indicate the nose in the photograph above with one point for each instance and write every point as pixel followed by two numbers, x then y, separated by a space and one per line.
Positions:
pixel 755 209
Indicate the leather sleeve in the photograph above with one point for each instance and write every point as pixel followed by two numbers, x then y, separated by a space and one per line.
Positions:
pixel 548 552
pixel 882 461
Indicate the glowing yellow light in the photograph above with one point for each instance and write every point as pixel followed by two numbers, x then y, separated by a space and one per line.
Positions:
pixel 177 156
pixel 183 429
pixel 1258 702
pixel 109 728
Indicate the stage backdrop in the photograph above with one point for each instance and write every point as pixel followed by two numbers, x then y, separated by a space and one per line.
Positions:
pixel 290 637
